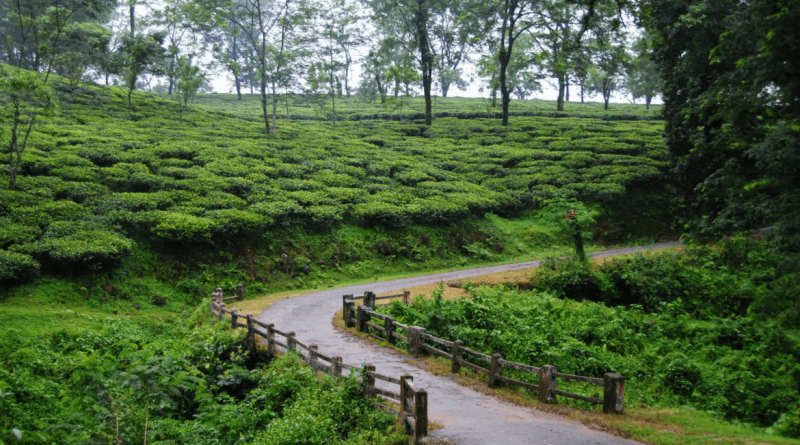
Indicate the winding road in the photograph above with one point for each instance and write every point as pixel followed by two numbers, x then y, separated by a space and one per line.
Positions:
pixel 469 417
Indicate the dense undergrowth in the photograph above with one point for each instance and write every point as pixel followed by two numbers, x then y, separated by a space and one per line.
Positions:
pixel 710 329
pixel 112 380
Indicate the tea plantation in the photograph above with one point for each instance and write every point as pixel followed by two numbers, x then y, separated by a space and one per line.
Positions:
pixel 101 175
pixel 126 218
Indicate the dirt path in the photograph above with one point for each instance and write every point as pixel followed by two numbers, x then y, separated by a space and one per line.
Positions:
pixel 469 417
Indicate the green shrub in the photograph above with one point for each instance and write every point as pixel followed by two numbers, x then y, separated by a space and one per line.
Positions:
pixel 16 268
pixel 174 226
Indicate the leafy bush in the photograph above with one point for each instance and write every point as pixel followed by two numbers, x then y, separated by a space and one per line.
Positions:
pixel 194 384
pixel 16 267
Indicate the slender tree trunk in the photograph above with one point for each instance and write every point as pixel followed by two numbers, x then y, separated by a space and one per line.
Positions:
pixel 171 75
pixel 445 87
pixel 647 100
pixel 561 87
pixel 581 91
pixel 264 97
pixel 132 17
pixel 566 79
pixel 236 78
pixel 426 58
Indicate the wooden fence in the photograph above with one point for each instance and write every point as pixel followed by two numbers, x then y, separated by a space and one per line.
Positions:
pixel 411 401
pixel 420 342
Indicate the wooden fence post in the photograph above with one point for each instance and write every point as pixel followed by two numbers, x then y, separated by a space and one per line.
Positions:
pixel 495 370
pixel 613 393
pixel 219 294
pixel 234 316
pixel 251 332
pixel 312 355
pixel 271 339
pixel 221 314
pixel 240 291
pixel 388 324
pixel 548 383
pixel 369 381
pixel 363 318
pixel 421 416
pixel 455 366
pixel 406 297
pixel 404 393
pixel 290 341
pixel 414 339
pixel 336 366
pixel 347 310
pixel 369 300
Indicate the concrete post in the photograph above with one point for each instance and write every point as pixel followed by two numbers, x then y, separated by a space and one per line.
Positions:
pixel 388 324
pixel 613 393
pixel 369 300
pixel 455 366
pixel 495 370
pixel 271 340
pixel 219 294
pixel 221 314
pixel 407 297
pixel 548 383
pixel 369 381
pixel 240 291
pixel 290 341
pixel 415 339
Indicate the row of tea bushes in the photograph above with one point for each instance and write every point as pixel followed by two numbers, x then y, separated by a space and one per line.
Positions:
pixel 111 173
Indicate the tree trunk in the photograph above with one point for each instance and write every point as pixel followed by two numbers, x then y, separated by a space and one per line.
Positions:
pixel 581 91
pixel 561 87
pixel 264 98
pixel 426 58
pixel 566 80
pixel 445 87
pixel 171 75
pixel 132 18
pixel 647 100
pixel 236 78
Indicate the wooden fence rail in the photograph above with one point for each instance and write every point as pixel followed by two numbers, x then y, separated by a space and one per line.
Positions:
pixel 419 342
pixel 411 401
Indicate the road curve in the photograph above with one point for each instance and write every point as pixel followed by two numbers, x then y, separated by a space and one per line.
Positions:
pixel 469 417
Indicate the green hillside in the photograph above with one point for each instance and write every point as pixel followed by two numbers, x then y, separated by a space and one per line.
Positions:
pixel 101 180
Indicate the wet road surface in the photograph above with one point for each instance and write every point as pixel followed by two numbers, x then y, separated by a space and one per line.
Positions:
pixel 469 417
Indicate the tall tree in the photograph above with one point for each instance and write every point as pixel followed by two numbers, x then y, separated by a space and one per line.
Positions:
pixel 606 75
pixel 413 18
pixel 732 104
pixel 642 76
pixel 272 29
pixel 450 44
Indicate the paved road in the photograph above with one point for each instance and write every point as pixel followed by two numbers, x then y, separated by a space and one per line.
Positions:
pixel 469 417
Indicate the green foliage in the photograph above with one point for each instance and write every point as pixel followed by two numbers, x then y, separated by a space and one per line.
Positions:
pixel 677 331
pixel 728 79
pixel 187 384
pixel 16 267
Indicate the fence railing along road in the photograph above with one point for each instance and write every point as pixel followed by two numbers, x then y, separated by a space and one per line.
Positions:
pixel 411 400
pixel 420 342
